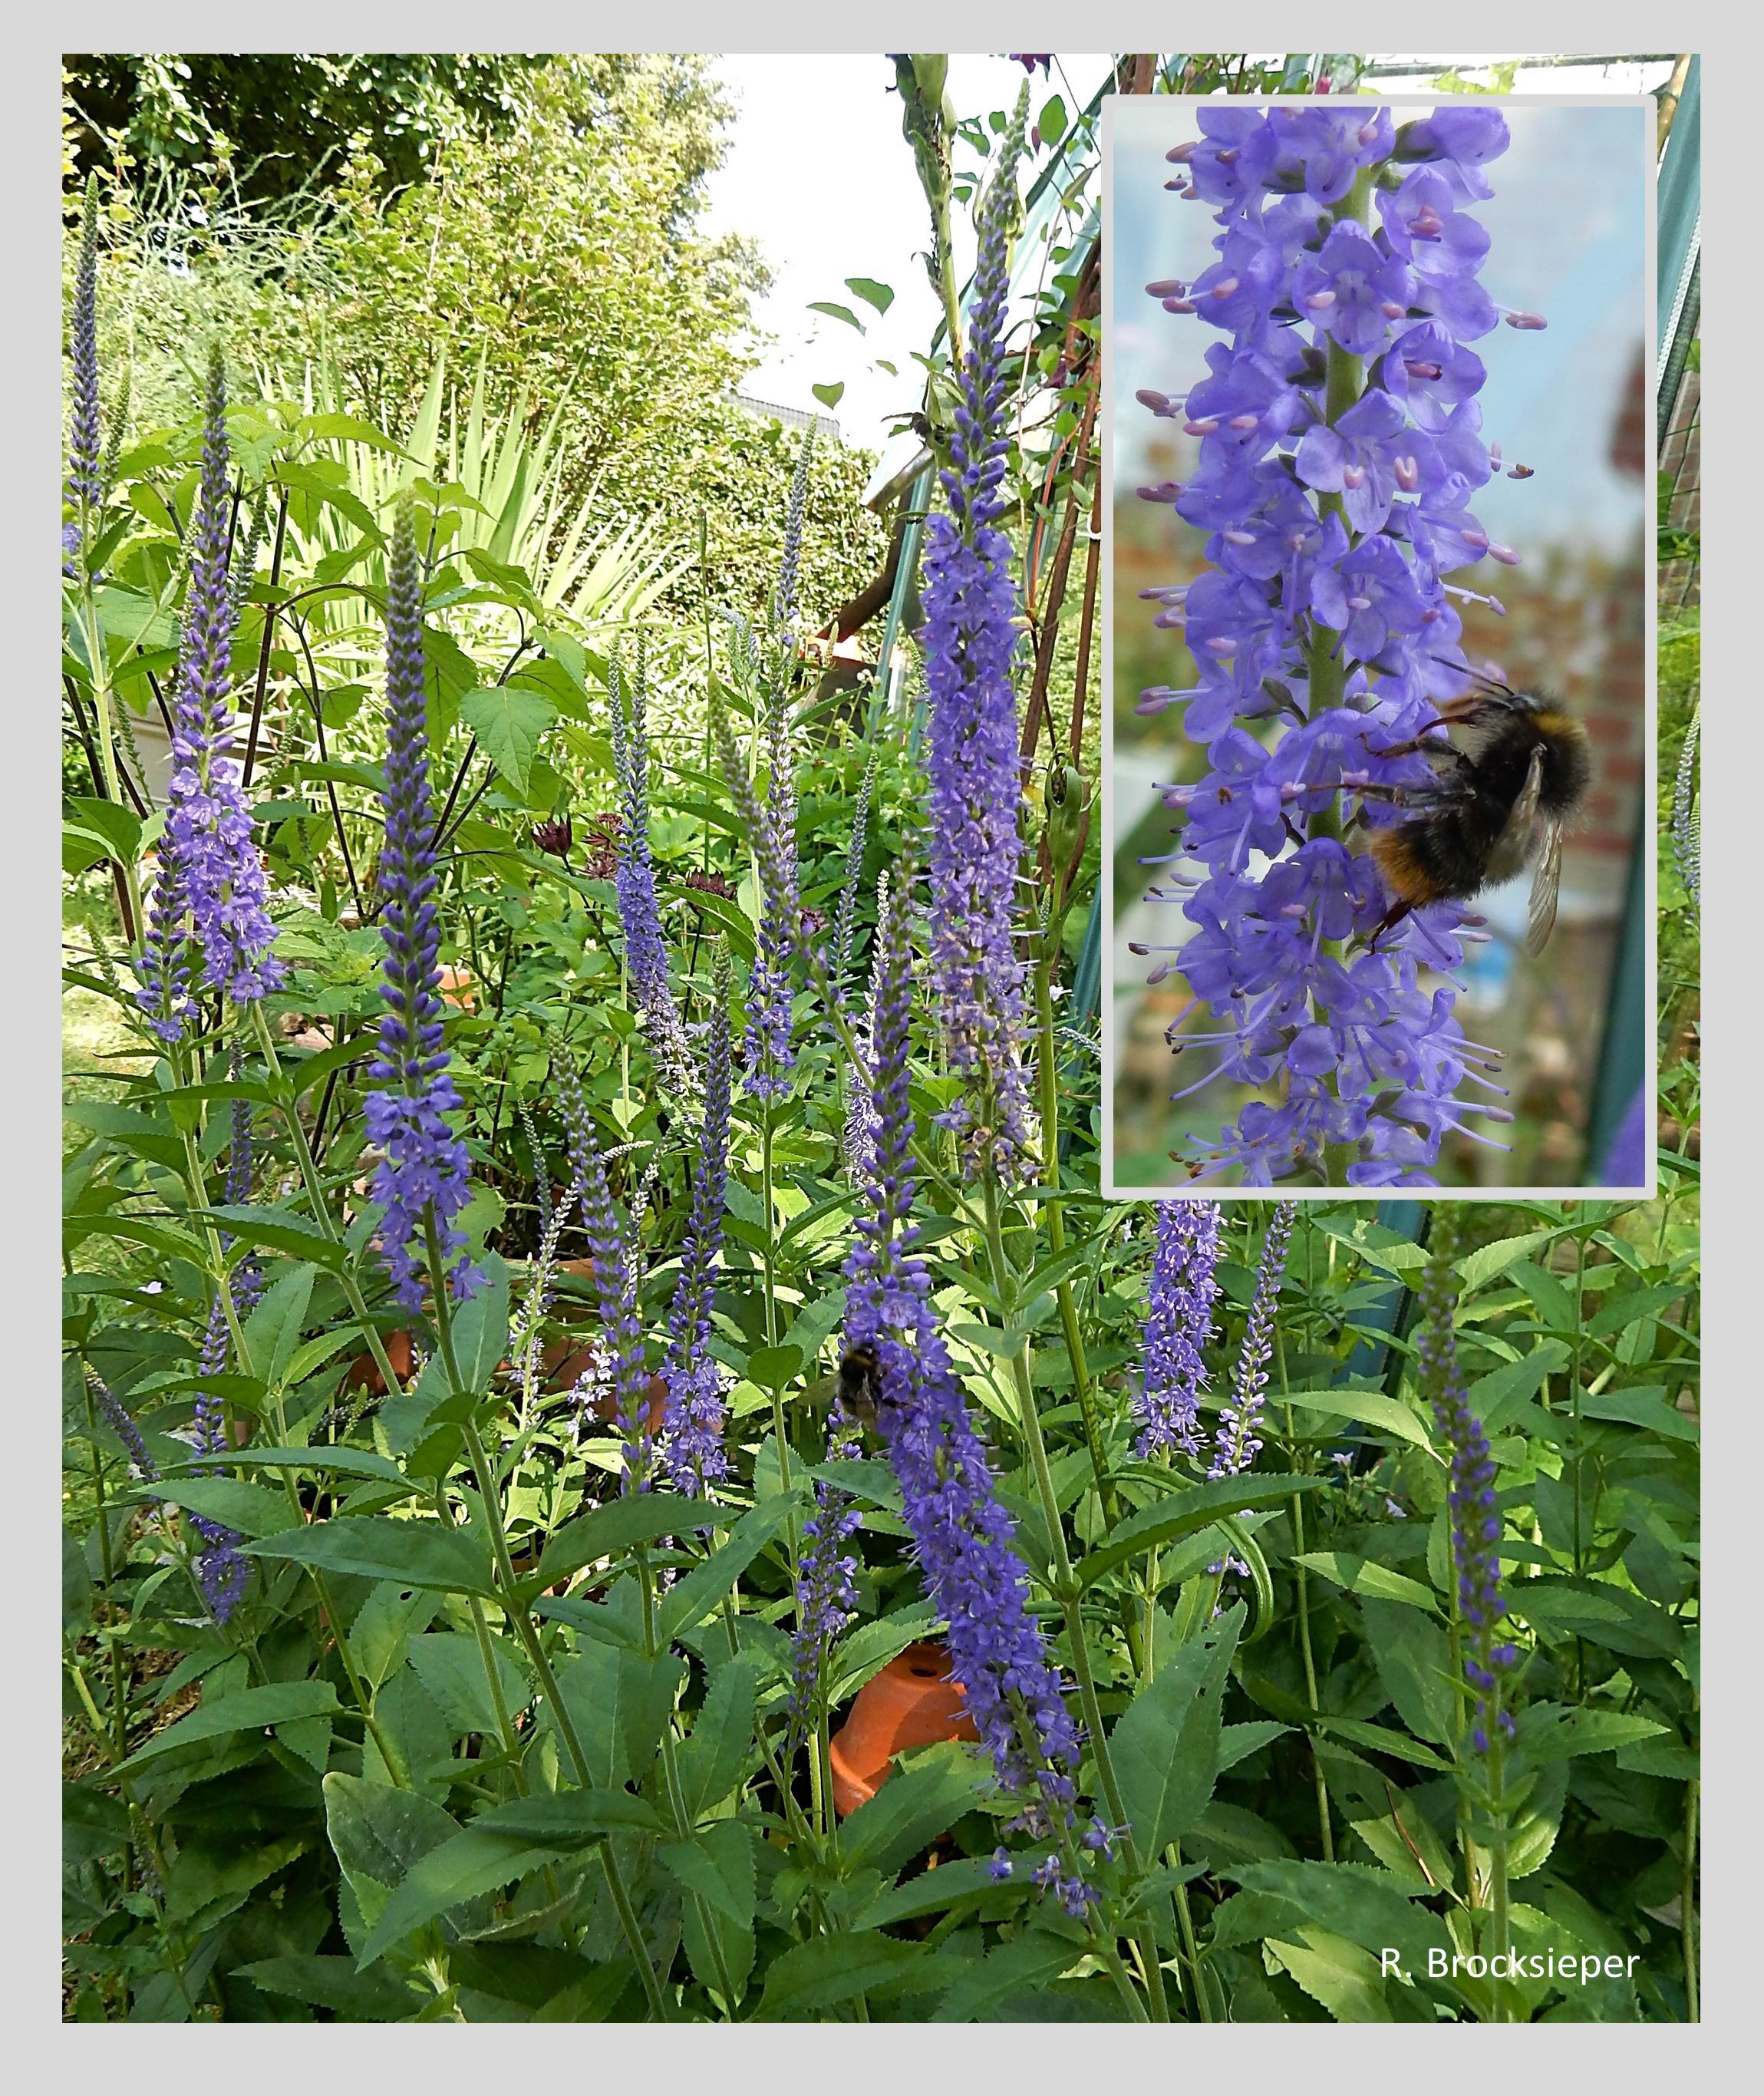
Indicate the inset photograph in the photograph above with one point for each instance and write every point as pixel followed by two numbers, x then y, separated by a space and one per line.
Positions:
pixel 1381 554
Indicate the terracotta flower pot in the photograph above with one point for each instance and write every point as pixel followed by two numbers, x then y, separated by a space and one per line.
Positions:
pixel 365 1375
pixel 456 989
pixel 911 1703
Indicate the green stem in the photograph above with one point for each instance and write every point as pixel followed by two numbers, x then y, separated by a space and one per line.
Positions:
pixel 1499 1931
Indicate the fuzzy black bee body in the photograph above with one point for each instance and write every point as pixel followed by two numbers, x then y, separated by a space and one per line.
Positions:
pixel 1492 809
pixel 860 1384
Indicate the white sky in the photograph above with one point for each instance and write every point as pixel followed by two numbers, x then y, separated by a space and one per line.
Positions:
pixel 820 174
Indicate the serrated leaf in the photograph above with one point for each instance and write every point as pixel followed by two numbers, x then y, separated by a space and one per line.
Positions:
pixel 714 1756
pixel 509 722
pixel 922 1798
pixel 684 1606
pixel 1186 1513
pixel 618 1526
pixel 244 1710
pixel 377 1547
pixel 1364 1575
pixel 1165 1744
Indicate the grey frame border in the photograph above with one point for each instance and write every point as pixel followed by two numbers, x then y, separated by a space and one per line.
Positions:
pixel 1644 106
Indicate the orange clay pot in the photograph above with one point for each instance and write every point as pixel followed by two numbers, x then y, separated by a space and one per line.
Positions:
pixel 911 1703
pixel 365 1375
pixel 456 989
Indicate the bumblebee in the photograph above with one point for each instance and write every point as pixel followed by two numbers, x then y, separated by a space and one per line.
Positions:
pixel 860 1386
pixel 1493 808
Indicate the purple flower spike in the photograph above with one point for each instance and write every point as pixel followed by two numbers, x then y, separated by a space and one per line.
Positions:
pixel 423 1172
pixel 961 1534
pixel 211 895
pixel 221 1573
pixel 1475 1516
pixel 1235 1446
pixel 1340 448
pixel 970 640
pixel 645 951
pixel 692 1444
pixel 1178 1324
pixel 827 1593
pixel 85 490
pixel 618 1351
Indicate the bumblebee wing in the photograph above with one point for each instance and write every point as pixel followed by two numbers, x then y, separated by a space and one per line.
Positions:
pixel 1513 849
pixel 1546 890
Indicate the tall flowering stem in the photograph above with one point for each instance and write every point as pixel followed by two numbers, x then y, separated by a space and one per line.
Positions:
pixel 695 1412
pixel 212 896
pixel 1340 447
pixel 645 952
pixel 619 1350
pixel 1235 1446
pixel 970 638
pixel 769 1052
pixel 85 479
pixel 424 1175
pixel 1178 1326
pixel 1475 1517
pixel 962 1535
pixel 221 1573
pixel 826 1586
pixel 784 596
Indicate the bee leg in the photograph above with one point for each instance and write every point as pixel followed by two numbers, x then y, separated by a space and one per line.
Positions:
pixel 1392 917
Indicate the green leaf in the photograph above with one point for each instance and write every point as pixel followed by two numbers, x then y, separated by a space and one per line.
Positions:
pixel 923 1797
pixel 415 1553
pixel 1367 1408
pixel 1051 123
pixel 618 1526
pixel 829 396
pixel 836 312
pixel 508 722
pixel 481 1328
pixel 350 429
pixel 619 1701
pixel 272 1330
pixel 685 1606
pixel 1345 1978
pixel 1379 1739
pixel 1185 1513
pixel 718 1865
pixel 881 296
pixel 244 1710
pixel 570 1819
pixel 714 1756
pixel 867 1650
pixel 478 1860
pixel 827 1970
pixel 1414 1663
pixel 1364 1575
pixel 1369 1907
pixel 1488 1261
pixel 1034 1960
pixel 1165 1744
pixel 1640 1407
pixel 251 1510
pixel 280 1232
pixel 934 1891
pixel 1506 1389
pixel 333 1983
pixel 450 1664
pixel 1548 1732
